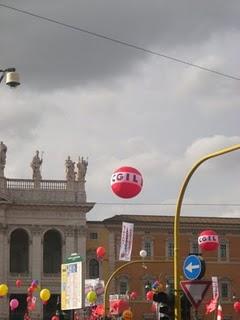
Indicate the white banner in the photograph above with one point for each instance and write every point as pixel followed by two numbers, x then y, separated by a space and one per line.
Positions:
pixel 126 241
pixel 215 287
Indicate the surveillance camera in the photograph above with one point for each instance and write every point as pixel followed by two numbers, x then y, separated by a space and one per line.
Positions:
pixel 12 79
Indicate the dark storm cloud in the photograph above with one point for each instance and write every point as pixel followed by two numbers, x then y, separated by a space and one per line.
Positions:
pixel 52 56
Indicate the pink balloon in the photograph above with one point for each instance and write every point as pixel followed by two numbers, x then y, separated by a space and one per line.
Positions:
pixel 14 303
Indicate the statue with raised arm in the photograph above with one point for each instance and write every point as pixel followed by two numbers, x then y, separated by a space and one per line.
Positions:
pixel 82 169
pixel 36 166
pixel 70 169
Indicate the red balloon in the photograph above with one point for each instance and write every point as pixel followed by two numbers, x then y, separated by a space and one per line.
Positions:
pixel 208 240
pixel 149 295
pixel 18 283
pixel 133 295
pixel 236 306
pixel 126 182
pixel 100 252
pixel 55 318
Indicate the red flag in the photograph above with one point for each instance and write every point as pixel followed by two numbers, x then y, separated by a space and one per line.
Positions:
pixel 211 305
pixel 219 313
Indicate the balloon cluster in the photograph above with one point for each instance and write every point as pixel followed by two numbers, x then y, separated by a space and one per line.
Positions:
pixel 152 289
pixel 31 298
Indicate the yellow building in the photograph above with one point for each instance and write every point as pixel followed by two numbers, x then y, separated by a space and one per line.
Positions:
pixel 155 235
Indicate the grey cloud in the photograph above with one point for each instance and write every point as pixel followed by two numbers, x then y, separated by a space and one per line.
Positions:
pixel 51 56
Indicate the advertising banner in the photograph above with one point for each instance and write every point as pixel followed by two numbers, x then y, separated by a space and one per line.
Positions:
pixel 126 241
pixel 71 286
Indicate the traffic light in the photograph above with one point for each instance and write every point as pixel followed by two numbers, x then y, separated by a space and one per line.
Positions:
pixel 163 304
pixel 185 305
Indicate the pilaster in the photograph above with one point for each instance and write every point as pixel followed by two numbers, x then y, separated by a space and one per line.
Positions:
pixel 36 263
pixel 4 247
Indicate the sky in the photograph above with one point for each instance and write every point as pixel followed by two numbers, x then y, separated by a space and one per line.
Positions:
pixel 103 79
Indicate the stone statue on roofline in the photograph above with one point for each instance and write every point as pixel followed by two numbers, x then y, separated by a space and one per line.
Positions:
pixel 70 170
pixel 3 156
pixel 82 169
pixel 36 167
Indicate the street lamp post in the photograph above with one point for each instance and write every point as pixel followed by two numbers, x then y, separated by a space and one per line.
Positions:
pixel 143 262
pixel 177 258
pixel 12 77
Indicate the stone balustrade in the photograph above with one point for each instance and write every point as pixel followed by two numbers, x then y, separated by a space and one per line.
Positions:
pixel 43 191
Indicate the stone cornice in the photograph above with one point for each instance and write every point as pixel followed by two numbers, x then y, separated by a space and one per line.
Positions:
pixel 69 206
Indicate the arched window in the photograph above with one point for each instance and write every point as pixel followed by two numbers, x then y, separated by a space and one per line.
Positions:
pixel 52 252
pixel 93 269
pixel 19 251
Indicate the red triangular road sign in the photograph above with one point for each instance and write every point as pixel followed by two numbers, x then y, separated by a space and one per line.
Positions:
pixel 195 290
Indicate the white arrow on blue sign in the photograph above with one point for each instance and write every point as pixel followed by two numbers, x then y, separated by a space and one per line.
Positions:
pixel 192 267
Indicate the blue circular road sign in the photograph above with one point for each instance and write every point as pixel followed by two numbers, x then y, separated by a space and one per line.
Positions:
pixel 193 267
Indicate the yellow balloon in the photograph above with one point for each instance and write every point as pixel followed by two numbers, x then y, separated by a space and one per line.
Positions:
pixel 45 294
pixel 3 290
pixel 91 296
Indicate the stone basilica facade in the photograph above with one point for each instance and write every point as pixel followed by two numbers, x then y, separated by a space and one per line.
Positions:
pixel 42 222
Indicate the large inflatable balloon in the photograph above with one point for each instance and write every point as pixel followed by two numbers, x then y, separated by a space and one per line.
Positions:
pixel 208 240
pixel 126 182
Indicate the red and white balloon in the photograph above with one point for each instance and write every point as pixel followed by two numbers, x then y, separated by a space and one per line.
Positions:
pixel 208 240
pixel 126 182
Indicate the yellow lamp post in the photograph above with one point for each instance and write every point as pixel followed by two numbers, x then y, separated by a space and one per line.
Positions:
pixel 177 258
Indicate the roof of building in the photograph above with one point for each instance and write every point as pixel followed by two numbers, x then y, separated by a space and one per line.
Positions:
pixel 170 219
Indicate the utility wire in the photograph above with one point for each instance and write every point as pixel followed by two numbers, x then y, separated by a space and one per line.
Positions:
pixel 124 43
pixel 169 204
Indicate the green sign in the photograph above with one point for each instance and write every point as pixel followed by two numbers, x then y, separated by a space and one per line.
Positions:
pixel 74 258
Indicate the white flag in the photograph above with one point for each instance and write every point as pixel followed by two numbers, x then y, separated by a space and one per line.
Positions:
pixel 219 313
pixel 215 287
pixel 126 241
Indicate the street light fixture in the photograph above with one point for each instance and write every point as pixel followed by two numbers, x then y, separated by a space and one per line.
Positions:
pixel 177 257
pixel 11 77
